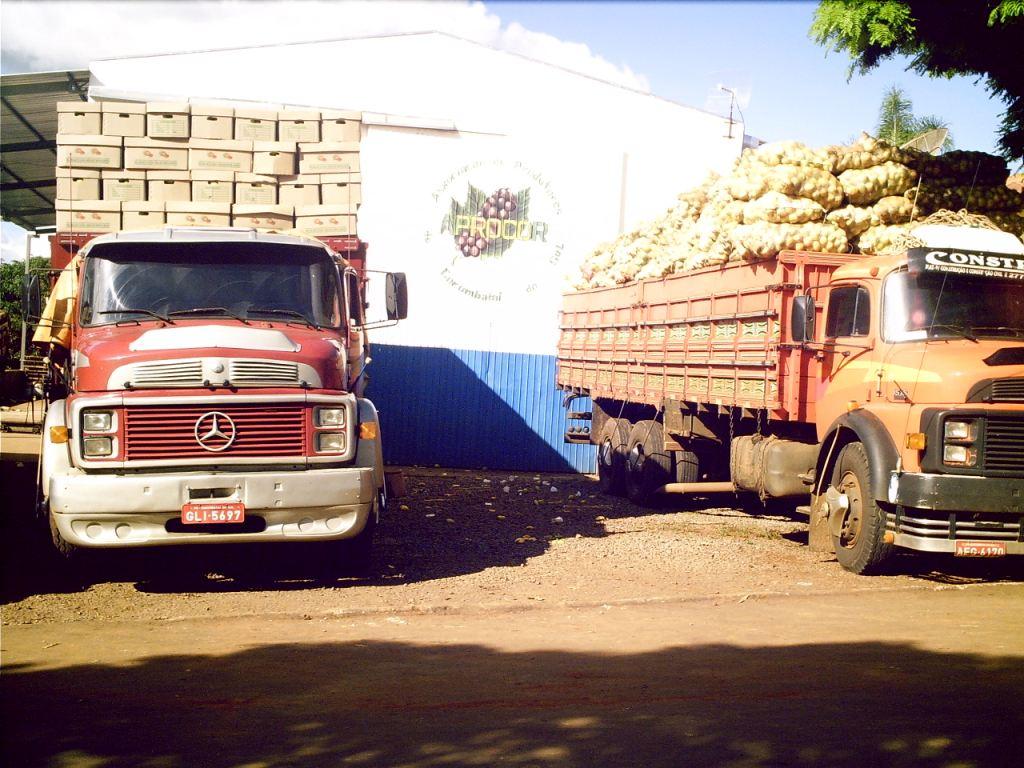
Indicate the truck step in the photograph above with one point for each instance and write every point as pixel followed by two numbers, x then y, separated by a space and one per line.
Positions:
pixel 577 435
pixel 580 415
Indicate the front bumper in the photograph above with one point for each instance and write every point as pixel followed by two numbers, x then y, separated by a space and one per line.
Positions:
pixel 932 512
pixel 92 510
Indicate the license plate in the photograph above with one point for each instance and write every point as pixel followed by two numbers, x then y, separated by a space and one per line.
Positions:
pixel 220 512
pixel 980 548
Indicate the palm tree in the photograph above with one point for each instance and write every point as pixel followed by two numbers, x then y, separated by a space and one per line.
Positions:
pixel 897 123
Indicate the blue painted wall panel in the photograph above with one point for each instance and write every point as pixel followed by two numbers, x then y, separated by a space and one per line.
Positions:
pixel 472 409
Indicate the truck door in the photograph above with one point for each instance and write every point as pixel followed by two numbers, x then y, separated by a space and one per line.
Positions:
pixel 848 350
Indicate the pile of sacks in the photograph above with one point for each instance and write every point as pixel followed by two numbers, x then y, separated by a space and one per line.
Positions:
pixel 786 196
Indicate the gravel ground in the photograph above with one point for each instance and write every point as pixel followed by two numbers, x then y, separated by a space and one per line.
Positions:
pixel 460 540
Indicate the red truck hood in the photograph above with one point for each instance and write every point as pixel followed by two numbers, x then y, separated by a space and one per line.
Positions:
pixel 102 350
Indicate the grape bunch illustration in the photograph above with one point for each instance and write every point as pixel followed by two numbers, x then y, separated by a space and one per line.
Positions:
pixel 503 204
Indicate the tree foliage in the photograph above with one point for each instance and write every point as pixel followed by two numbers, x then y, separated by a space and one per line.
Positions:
pixel 983 38
pixel 11 274
pixel 898 124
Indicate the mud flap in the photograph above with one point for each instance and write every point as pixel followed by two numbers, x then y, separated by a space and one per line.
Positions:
pixel 819 533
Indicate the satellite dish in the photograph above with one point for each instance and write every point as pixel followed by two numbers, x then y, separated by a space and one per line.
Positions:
pixel 929 142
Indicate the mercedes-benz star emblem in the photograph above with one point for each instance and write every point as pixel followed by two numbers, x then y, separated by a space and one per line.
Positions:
pixel 215 431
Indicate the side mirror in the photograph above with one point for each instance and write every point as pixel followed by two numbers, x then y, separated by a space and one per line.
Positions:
pixel 396 296
pixel 801 326
pixel 31 297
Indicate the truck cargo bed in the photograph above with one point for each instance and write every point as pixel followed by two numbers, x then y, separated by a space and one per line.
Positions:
pixel 715 336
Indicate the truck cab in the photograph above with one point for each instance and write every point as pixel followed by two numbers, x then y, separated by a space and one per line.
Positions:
pixel 920 402
pixel 211 391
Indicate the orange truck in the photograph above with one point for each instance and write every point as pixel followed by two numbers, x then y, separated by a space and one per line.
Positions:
pixel 885 392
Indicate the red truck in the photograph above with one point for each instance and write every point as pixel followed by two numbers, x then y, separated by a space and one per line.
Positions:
pixel 885 392
pixel 209 389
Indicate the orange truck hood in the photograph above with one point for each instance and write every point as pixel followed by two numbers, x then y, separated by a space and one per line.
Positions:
pixel 943 372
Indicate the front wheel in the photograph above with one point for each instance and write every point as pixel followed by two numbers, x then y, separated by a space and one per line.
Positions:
pixel 859 536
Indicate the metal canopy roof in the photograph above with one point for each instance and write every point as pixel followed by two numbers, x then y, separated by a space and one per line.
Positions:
pixel 28 151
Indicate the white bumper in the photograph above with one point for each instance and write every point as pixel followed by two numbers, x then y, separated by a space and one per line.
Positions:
pixel 93 510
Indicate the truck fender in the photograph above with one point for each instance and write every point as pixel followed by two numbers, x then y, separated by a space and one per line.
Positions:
pixel 868 430
pixel 54 458
pixel 369 452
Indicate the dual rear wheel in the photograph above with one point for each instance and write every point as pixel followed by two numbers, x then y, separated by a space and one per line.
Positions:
pixel 632 460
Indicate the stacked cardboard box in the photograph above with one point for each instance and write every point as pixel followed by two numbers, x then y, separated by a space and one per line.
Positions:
pixel 130 165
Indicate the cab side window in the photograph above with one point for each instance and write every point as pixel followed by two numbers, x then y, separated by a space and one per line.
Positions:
pixel 849 312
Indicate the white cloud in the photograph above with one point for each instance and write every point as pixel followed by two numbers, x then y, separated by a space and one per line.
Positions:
pixel 41 36
pixel 12 243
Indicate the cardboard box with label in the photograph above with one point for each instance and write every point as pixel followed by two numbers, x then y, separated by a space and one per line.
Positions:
pixel 81 117
pixel 341 189
pixel 299 190
pixel 340 125
pixel 298 125
pixel 213 155
pixel 142 214
pixel 276 158
pixel 156 154
pixel 329 157
pixel 255 188
pixel 169 186
pixel 256 124
pixel 319 220
pixel 124 185
pixel 123 118
pixel 91 151
pixel 167 120
pixel 276 217
pixel 212 121
pixel 213 187
pixel 78 184
pixel 89 216
pixel 199 214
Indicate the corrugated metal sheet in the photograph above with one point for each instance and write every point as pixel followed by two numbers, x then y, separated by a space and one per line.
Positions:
pixel 472 409
pixel 28 125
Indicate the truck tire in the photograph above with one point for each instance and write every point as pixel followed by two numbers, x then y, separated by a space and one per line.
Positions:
pixel 611 456
pixel 358 551
pixel 68 551
pixel 648 464
pixel 860 545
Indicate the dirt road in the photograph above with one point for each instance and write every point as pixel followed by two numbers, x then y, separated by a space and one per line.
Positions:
pixel 511 619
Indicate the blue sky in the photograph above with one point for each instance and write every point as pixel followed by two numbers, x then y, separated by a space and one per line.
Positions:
pixel 795 90
pixel 788 87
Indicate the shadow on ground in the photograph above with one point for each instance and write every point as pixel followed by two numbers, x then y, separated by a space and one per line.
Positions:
pixel 390 704
pixel 451 523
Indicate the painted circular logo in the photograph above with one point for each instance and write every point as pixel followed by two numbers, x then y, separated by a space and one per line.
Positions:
pixel 496 231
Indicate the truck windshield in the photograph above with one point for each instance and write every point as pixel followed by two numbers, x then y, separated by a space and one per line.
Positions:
pixel 266 281
pixel 936 305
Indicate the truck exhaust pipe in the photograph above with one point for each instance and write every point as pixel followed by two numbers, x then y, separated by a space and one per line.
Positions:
pixel 724 487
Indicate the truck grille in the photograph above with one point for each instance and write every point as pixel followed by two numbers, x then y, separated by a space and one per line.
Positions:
pixel 1008 390
pixel 1004 444
pixel 963 525
pixel 182 373
pixel 263 372
pixel 192 373
pixel 168 431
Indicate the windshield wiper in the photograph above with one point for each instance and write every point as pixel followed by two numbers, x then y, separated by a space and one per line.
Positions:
pixel 959 330
pixel 288 312
pixel 149 312
pixel 1012 330
pixel 208 310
